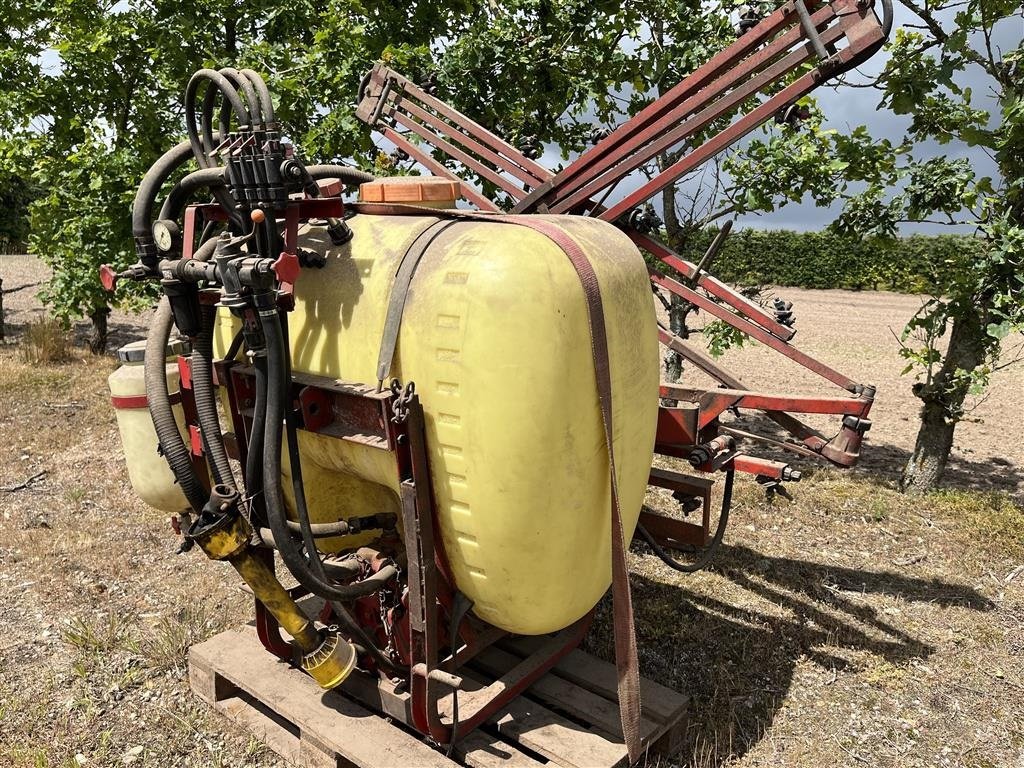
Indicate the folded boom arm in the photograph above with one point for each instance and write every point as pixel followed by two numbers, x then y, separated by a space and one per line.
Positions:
pixel 787 54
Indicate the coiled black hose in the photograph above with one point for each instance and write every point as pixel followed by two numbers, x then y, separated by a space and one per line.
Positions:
pixel 158 173
pixel 206 399
pixel 220 82
pixel 278 395
pixel 263 93
pixel 180 193
pixel 171 445
pixel 712 548
pixel 244 85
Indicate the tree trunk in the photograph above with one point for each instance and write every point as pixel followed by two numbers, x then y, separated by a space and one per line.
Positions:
pixel 98 337
pixel 677 310
pixel 943 400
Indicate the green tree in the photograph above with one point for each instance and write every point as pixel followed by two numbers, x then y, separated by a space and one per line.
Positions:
pixel 955 341
pixel 535 71
pixel 91 94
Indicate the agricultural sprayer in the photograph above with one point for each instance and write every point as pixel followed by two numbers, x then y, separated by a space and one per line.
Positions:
pixel 441 418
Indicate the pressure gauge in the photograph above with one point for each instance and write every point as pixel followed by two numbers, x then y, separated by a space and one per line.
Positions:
pixel 166 235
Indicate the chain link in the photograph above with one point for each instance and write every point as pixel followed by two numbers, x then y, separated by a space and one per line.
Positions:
pixel 402 398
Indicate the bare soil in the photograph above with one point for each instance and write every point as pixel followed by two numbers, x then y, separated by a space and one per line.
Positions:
pixel 852 626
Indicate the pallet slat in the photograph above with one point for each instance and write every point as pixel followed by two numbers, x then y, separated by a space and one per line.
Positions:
pixel 326 721
pixel 599 677
pixel 564 696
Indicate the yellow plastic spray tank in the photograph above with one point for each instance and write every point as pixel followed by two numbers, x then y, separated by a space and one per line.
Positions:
pixel 495 336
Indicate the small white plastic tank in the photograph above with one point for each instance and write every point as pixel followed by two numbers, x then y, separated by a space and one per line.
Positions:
pixel 150 476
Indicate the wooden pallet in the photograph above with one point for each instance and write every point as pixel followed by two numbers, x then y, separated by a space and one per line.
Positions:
pixel 567 718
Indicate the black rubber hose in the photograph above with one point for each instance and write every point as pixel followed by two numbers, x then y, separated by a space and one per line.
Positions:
pixel 295 465
pixel 217 80
pixel 244 85
pixel 712 548
pixel 886 17
pixel 266 104
pixel 254 450
pixel 158 173
pixel 322 530
pixel 236 346
pixel 277 398
pixel 181 193
pixel 171 445
pixel 346 174
pixel 206 400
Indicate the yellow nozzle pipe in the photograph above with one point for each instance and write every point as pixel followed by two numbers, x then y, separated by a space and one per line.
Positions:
pixel 327 657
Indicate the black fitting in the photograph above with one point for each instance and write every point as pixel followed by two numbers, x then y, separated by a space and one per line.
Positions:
pixel 857 424
pixel 309 259
pixel 184 300
pixel 784 312
pixel 223 498
pixel 339 232
pixel 145 249
pixel 643 220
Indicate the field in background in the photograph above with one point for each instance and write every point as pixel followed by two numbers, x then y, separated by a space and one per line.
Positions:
pixel 852 626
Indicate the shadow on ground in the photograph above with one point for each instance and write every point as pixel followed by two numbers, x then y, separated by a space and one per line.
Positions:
pixel 736 657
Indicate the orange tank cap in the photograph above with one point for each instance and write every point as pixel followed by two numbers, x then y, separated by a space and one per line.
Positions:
pixel 410 189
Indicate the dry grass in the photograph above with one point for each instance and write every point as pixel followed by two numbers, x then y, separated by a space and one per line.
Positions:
pixel 97 610
pixel 46 341
pixel 854 626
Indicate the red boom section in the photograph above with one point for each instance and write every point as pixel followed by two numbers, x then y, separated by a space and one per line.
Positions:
pixel 813 43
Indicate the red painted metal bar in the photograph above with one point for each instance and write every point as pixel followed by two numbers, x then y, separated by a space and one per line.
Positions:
pixel 715 402
pixel 380 74
pixel 752 465
pixel 754 331
pixel 805 434
pixel 862 44
pixel 691 84
pixel 762 401
pixel 473 164
pixel 741 82
pixel 426 118
pixel 712 285
pixel 437 168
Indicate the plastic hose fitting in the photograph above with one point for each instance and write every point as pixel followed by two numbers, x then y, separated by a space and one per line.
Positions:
pixel 332 662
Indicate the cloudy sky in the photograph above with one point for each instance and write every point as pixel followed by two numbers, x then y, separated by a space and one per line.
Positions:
pixel 846 108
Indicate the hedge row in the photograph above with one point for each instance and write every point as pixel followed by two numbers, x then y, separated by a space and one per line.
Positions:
pixel 915 264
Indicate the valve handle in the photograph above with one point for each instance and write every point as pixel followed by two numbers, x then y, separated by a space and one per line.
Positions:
pixel 108 278
pixel 287 268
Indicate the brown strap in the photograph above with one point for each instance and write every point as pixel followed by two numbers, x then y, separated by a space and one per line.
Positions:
pixel 624 628
pixel 400 291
